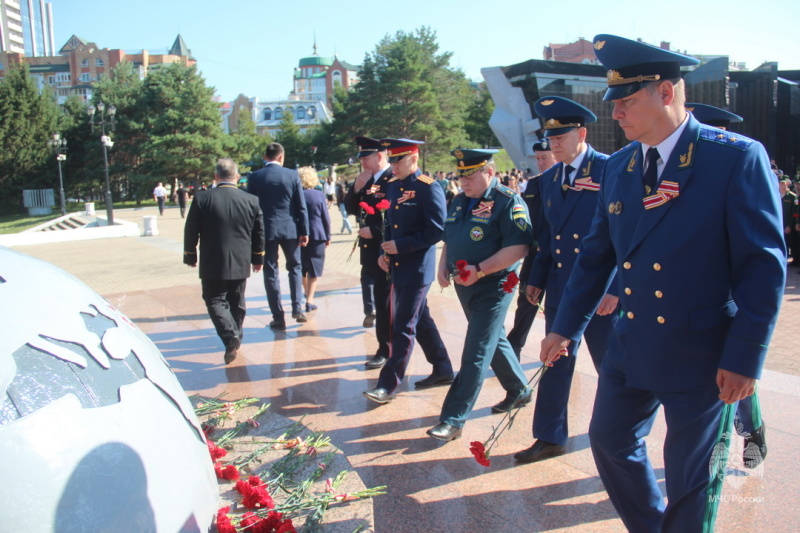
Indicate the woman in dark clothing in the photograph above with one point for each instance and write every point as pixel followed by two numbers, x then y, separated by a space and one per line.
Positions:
pixel 319 234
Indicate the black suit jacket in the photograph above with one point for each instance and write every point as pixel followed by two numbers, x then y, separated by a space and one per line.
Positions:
pixel 229 225
pixel 281 198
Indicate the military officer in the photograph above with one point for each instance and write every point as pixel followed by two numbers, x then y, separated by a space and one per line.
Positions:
pixel 692 343
pixel 488 228
pixel 569 198
pixel 748 422
pixel 526 311
pixel 370 188
pixel 414 224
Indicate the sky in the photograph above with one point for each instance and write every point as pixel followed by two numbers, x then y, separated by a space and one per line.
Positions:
pixel 252 46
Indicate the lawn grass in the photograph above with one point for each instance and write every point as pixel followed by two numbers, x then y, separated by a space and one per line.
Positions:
pixel 15 223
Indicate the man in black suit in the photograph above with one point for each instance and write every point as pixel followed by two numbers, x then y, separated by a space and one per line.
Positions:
pixel 229 225
pixel 285 225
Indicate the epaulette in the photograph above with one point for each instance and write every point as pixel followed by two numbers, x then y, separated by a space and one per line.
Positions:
pixel 507 191
pixel 726 138
pixel 393 179
pixel 425 179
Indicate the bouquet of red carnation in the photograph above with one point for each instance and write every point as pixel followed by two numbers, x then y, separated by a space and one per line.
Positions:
pixel 480 450
pixel 510 282
pixel 382 206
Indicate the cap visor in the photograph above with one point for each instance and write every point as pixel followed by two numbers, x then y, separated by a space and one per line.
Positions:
pixel 555 132
pixel 617 93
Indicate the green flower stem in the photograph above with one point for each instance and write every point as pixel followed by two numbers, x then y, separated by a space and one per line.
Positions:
pixel 508 420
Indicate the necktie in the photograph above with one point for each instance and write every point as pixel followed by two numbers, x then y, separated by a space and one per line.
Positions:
pixel 567 183
pixel 651 174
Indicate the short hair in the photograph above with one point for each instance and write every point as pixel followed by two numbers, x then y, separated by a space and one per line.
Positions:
pixel 226 169
pixel 308 177
pixel 273 151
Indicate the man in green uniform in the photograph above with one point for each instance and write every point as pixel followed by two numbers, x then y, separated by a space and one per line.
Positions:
pixel 488 229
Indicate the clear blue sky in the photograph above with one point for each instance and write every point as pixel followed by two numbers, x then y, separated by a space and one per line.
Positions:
pixel 252 46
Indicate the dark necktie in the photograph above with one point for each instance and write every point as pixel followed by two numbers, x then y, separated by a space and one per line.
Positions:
pixel 567 182
pixel 651 174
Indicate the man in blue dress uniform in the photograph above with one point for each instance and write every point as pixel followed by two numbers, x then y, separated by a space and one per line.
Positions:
pixel 370 188
pixel 526 311
pixel 701 276
pixel 414 224
pixel 748 422
pixel 569 198
pixel 488 227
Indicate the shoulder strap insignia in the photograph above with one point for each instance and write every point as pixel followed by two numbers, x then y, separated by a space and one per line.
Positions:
pixel 391 180
pixel 727 138
pixel 506 191
pixel 425 179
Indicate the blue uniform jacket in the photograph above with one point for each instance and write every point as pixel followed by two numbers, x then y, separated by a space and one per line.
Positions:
pixel 319 221
pixel 282 202
pixel 415 221
pixel 701 274
pixel 564 223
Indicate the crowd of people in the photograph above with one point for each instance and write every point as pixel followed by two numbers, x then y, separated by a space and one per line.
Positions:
pixel 673 318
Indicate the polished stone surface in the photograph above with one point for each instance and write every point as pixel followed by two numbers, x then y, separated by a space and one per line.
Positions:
pixel 315 372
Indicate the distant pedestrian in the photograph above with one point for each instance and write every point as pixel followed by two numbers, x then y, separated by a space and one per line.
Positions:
pixel 160 196
pixel 181 195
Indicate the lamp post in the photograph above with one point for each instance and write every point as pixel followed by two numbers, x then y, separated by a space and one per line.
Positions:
pixel 102 121
pixel 59 148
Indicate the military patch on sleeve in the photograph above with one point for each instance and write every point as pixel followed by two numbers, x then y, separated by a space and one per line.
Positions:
pixel 425 179
pixel 521 220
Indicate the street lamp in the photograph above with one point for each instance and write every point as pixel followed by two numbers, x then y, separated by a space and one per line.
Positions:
pixel 59 148
pixel 101 121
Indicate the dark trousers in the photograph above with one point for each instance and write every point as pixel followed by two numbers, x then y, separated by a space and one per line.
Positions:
pixel 550 414
pixel 623 416
pixel 523 321
pixel 375 289
pixel 485 346
pixel 161 200
pixel 225 302
pixel 183 209
pixel 410 320
pixel 272 282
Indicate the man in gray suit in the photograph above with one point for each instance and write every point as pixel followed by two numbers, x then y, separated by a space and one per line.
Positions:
pixel 228 224
pixel 286 225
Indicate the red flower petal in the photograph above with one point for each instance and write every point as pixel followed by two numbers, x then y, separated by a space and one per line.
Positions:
pixel 461 264
pixel 230 473
pixel 224 524
pixel 511 281
pixel 478 450
pixel 383 205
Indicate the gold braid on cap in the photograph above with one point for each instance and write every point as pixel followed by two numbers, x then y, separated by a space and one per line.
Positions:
pixel 554 123
pixel 465 171
pixel 615 78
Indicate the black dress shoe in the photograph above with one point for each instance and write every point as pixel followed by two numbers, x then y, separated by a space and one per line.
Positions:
pixel 376 362
pixel 311 307
pixel 539 451
pixel 369 320
pixel 378 395
pixel 445 432
pixel 755 448
pixel 511 403
pixel 300 317
pixel 277 324
pixel 230 350
pixel 434 381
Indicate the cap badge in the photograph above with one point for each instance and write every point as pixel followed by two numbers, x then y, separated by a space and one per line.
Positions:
pixel 459 154
pixel 386 144
pixel 547 102
pixel 613 75
pixel 599 45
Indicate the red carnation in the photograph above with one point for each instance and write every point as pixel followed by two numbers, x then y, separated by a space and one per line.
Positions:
pixel 224 524
pixel 383 205
pixel 367 208
pixel 255 481
pixel 461 270
pixel 478 450
pixel 216 452
pixel 511 281
pixel 461 264
pixel 254 496
pixel 208 430
pixel 286 527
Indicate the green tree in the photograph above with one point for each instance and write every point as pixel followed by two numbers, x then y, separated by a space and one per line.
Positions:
pixel 245 145
pixel 29 119
pixel 477 123
pixel 182 127
pixel 408 89
pixel 295 144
